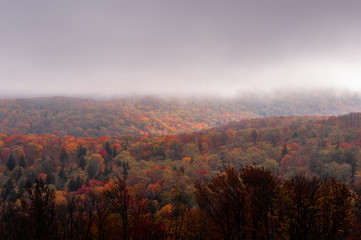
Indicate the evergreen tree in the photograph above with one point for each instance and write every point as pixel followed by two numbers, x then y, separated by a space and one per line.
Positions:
pixel 81 151
pixel 22 162
pixel 63 156
pixel 107 170
pixel 31 178
pixel 10 164
pixel 114 152
pixel 91 171
pixel 50 178
pixel 62 174
pixel 74 185
pixel 82 162
pixel 108 149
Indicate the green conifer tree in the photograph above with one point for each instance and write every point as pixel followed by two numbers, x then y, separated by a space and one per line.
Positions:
pixel 10 164
pixel 22 162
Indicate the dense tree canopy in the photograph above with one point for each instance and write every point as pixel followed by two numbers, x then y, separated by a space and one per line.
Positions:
pixel 271 178
pixel 143 116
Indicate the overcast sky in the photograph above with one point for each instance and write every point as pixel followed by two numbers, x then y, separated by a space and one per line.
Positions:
pixel 73 47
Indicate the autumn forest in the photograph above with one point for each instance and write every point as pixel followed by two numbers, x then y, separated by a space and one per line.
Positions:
pixel 155 168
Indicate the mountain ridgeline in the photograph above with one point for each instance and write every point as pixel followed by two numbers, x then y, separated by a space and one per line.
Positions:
pixel 143 116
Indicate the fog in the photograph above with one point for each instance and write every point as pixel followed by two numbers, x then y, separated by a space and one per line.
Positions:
pixel 204 47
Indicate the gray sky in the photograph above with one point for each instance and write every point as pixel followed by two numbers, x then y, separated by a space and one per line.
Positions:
pixel 73 47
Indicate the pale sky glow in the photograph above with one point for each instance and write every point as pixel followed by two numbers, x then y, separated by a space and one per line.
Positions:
pixel 117 48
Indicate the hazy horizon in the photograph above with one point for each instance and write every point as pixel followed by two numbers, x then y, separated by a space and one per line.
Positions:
pixel 277 94
pixel 114 48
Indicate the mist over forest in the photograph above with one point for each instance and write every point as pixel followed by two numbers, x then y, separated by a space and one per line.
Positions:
pixel 177 120
pixel 157 115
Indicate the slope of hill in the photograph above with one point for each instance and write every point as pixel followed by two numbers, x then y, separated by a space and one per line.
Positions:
pixel 325 146
pixel 163 170
pixel 156 116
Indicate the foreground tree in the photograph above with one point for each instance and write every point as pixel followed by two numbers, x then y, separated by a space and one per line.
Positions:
pixel 334 218
pixel 261 187
pixel 224 203
pixel 298 207
pixel 38 203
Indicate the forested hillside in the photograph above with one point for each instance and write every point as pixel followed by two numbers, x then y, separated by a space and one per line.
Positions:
pixel 143 116
pixel 322 146
pixel 167 187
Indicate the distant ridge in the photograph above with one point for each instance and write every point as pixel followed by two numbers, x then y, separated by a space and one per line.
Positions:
pixel 150 115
